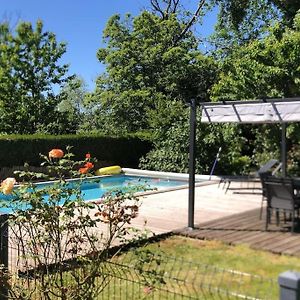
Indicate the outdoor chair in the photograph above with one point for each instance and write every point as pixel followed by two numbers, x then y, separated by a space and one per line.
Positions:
pixel 267 167
pixel 263 176
pixel 281 196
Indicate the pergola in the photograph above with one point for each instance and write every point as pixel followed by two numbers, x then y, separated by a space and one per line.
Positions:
pixel 261 111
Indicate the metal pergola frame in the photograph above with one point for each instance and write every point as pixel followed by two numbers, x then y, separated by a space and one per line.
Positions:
pixel 204 105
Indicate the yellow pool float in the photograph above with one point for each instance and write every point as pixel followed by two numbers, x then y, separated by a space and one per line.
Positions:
pixel 112 170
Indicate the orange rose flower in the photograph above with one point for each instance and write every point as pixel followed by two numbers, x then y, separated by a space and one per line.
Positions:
pixel 83 170
pixel 89 165
pixel 7 185
pixel 88 156
pixel 56 153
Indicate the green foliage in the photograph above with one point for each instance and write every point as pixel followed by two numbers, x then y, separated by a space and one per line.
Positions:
pixel 71 104
pixel 168 155
pixel 125 151
pixel 266 143
pixel 171 150
pixel 233 157
pixel 151 71
pixel 266 67
pixel 146 73
pixel 241 21
pixel 288 8
pixel 148 79
pixel 263 67
pixel 257 47
pixel 29 68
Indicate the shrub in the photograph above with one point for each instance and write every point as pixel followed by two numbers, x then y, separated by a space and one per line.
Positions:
pixel 16 150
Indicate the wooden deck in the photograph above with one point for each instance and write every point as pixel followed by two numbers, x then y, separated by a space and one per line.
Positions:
pixel 231 216
pixel 164 212
pixel 247 228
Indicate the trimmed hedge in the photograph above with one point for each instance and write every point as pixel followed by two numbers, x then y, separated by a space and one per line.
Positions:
pixel 15 150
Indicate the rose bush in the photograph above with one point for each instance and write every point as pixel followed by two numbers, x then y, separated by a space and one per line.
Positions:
pixel 52 225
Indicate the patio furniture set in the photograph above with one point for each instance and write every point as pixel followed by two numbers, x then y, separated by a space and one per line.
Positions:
pixel 280 195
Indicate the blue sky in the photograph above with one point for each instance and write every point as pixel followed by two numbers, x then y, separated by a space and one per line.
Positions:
pixel 80 24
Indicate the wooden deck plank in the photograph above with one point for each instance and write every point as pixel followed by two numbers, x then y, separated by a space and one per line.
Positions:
pixel 244 237
pixel 293 249
pixel 240 236
pixel 231 217
pixel 256 238
pixel 247 228
pixel 233 238
pixel 268 242
pixel 229 221
pixel 287 243
pixel 234 235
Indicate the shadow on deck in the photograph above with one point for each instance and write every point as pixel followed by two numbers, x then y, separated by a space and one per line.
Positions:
pixel 247 228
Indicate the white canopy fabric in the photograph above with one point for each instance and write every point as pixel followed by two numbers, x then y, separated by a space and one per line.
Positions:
pixel 273 111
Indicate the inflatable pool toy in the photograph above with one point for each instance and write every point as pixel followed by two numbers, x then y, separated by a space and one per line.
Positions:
pixel 109 170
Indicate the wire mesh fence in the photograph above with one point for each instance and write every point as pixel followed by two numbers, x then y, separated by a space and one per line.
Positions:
pixel 146 275
pixel 137 274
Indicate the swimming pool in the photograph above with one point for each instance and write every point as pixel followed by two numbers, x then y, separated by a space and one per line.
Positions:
pixel 96 188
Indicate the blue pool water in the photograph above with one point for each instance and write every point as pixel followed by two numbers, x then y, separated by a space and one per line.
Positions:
pixel 96 188
pixel 92 189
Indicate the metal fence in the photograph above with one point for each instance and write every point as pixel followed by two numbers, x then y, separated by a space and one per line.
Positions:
pixel 137 273
pixel 141 274
pixel 157 277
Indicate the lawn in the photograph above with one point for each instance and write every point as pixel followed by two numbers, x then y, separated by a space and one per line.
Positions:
pixel 225 256
pixel 200 269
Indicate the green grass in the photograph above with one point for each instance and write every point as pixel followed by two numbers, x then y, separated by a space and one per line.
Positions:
pixel 184 268
pixel 203 269
pixel 241 257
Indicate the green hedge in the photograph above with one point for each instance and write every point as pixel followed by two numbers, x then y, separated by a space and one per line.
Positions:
pixel 15 150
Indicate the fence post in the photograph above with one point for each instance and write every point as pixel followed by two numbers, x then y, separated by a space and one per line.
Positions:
pixel 289 284
pixel 3 253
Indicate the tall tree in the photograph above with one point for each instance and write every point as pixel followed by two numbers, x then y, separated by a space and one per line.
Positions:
pixel 269 67
pixel 236 10
pixel 71 103
pixel 29 68
pixel 146 72
pixel 240 21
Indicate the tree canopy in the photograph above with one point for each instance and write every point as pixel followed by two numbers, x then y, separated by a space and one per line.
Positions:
pixel 154 66
pixel 146 72
pixel 29 69
pixel 267 67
